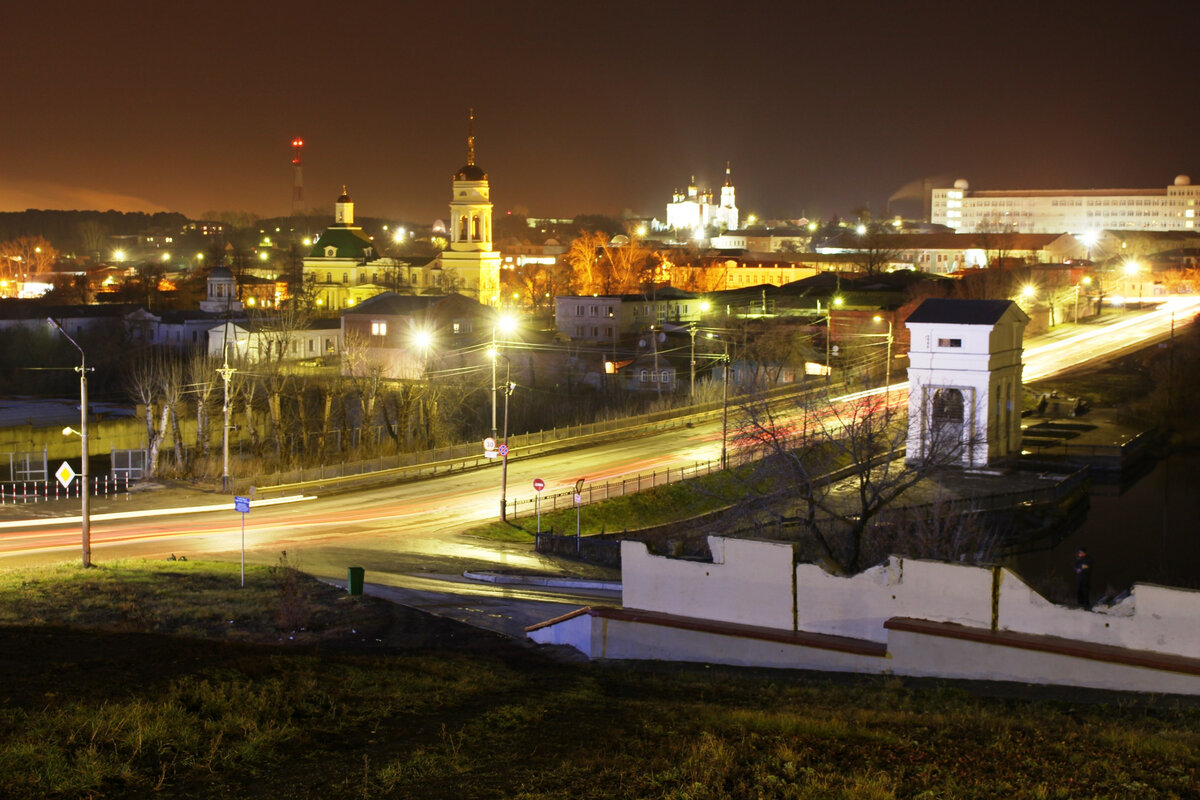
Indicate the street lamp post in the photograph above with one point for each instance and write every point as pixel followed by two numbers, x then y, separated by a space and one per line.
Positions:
pixel 887 386
pixel 503 324
pixel 725 409
pixel 226 373
pixel 85 488
pixel 692 389
pixel 508 390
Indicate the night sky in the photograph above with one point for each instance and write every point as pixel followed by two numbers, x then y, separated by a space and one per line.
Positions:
pixel 588 107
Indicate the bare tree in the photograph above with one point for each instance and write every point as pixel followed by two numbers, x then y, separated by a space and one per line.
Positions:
pixel 833 467
pixel 26 255
pixel 145 386
pixel 584 259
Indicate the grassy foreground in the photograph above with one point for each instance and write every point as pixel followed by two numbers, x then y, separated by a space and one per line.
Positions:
pixel 102 698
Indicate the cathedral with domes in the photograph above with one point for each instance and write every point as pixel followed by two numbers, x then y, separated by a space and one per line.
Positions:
pixel 344 267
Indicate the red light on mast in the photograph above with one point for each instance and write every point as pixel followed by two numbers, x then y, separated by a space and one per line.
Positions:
pixel 297 143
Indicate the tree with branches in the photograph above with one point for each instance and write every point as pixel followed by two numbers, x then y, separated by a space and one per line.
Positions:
pixel 835 468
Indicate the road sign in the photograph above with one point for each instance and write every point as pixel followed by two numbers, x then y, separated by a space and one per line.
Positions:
pixel 489 443
pixel 241 504
pixel 65 474
pixel 578 499
pixel 538 484
pixel 503 450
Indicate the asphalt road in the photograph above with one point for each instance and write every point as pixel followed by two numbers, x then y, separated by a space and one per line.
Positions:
pixel 408 536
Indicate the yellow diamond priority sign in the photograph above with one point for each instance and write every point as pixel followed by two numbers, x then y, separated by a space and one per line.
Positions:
pixel 65 474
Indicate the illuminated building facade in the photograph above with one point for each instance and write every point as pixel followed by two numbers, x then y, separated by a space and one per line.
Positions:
pixel 471 265
pixel 694 210
pixel 1172 208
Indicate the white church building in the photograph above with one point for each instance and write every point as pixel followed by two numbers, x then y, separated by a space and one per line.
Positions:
pixel 693 210
pixel 964 377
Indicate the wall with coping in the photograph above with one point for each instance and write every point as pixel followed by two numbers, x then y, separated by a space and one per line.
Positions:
pixel 748 582
pixel 1155 618
pixel 751 583
pixel 903 587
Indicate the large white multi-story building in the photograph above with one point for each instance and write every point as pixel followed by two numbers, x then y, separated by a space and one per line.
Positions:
pixel 1172 208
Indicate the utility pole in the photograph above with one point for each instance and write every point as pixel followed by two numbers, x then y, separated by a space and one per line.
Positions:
pixel 226 373
pixel 725 411
pixel 692 390
pixel 85 487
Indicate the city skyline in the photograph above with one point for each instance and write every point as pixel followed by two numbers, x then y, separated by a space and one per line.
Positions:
pixel 819 109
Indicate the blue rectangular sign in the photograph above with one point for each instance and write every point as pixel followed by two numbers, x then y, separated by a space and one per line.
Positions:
pixel 242 504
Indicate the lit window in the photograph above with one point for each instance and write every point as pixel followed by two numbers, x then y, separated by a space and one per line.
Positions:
pixel 378 328
pixel 949 342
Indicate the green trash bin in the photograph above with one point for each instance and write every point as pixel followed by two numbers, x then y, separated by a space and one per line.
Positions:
pixel 354 582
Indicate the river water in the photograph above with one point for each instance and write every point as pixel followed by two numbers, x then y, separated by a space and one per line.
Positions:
pixel 1147 532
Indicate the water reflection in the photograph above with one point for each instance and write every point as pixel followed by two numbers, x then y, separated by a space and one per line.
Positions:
pixel 1146 534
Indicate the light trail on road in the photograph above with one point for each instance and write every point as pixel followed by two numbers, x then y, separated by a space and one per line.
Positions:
pixel 406 534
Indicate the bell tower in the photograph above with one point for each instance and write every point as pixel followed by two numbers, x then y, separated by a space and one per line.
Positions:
pixel 471 265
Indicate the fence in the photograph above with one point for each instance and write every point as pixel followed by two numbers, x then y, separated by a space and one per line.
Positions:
pixel 28 467
pixel 45 491
pixel 595 492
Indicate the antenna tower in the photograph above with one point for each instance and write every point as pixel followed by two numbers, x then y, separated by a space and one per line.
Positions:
pixel 297 177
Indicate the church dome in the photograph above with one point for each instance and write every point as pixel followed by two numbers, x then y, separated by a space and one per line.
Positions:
pixel 470 172
pixel 345 196
pixel 220 273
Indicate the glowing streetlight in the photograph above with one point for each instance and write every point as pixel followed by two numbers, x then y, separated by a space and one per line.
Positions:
pixel 1028 291
pixel 118 255
pixel 505 325
pixel 861 229
pixel 85 488
pixel 887 386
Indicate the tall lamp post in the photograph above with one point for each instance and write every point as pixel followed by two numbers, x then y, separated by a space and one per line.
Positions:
pixel 503 324
pixel 85 488
pixel 887 386
pixel 226 373
pixel 508 390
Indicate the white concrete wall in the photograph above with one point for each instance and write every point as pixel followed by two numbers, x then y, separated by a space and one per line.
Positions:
pixel 941 657
pixel 748 582
pixel 1153 618
pixel 858 606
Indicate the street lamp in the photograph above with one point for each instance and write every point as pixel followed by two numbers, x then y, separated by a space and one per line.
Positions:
pixel 1084 281
pixel 887 386
pixel 504 324
pixel 508 390
pixel 226 373
pixel 85 488
pixel 1131 270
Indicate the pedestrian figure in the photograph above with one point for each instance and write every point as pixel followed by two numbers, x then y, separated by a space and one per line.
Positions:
pixel 1083 578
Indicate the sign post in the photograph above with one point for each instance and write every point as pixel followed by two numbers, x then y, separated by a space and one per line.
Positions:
pixel 242 506
pixel 578 503
pixel 538 485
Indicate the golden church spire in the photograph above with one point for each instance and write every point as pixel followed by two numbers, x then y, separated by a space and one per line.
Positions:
pixel 471 137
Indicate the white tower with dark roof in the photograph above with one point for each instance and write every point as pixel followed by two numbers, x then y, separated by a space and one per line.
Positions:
pixel 471 265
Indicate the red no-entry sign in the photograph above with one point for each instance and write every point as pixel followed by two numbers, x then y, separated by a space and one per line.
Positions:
pixel 538 484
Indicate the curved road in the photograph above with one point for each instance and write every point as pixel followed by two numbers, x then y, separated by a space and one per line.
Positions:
pixel 407 535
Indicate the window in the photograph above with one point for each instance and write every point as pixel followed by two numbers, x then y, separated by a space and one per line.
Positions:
pixel 664 377
pixel 949 342
pixel 378 328
pixel 645 376
pixel 579 311
pixel 345 277
pixel 312 346
pixel 329 277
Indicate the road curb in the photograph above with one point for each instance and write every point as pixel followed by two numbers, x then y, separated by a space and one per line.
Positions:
pixel 541 580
